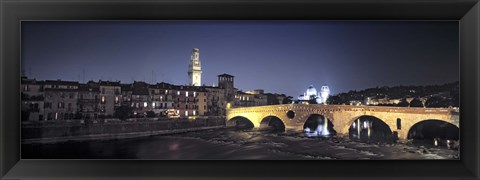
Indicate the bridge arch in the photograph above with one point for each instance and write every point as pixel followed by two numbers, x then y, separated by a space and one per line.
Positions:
pixel 350 121
pixel 370 128
pixel 273 122
pixel 399 119
pixel 318 123
pixel 429 129
pixel 240 122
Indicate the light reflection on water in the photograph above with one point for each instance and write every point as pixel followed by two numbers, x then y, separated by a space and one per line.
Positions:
pixel 231 144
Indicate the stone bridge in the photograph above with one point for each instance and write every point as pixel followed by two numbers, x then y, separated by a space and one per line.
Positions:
pixel 342 116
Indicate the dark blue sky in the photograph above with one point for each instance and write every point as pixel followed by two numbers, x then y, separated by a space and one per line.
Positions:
pixel 278 56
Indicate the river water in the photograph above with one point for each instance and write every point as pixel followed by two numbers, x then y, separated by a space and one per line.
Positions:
pixel 235 145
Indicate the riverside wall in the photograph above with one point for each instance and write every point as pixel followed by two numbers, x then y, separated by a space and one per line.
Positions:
pixel 43 132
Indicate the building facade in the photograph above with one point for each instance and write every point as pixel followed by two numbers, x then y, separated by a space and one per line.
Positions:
pixel 110 97
pixel 215 101
pixel 141 99
pixel 243 99
pixel 161 97
pixel 32 96
pixel 89 100
pixel 189 100
pixel 258 98
pixel 61 99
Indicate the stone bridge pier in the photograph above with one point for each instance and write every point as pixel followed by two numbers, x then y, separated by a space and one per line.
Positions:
pixel 293 116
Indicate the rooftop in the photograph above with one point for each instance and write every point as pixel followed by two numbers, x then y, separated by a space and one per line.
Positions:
pixel 225 75
pixel 60 82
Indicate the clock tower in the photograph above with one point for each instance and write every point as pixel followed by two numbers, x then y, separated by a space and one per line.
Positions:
pixel 195 69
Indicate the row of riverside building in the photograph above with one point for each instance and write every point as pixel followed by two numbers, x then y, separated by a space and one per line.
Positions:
pixel 65 100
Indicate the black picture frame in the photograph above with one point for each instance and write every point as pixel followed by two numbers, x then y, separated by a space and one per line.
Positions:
pixel 467 12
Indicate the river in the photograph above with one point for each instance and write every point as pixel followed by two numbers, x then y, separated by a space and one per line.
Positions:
pixel 234 145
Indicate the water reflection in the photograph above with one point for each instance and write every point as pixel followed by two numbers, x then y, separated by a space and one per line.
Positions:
pixel 318 126
pixel 435 133
pixel 371 129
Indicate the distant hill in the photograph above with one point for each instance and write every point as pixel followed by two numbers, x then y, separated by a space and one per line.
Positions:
pixel 444 95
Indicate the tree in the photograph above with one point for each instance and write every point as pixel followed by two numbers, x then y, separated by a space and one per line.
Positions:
pixel 150 114
pixel 123 112
pixel 436 102
pixel 287 100
pixel 403 103
pixel 271 99
pixel 338 99
pixel 312 100
pixel 456 101
pixel 416 103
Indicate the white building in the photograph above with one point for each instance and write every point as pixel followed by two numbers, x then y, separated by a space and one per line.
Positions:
pixel 195 69
pixel 311 93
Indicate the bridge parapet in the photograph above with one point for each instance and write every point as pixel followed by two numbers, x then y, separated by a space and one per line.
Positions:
pixel 294 107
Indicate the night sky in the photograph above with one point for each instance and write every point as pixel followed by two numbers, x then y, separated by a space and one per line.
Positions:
pixel 277 56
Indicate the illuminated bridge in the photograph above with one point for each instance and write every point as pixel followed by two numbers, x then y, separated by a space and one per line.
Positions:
pixel 344 119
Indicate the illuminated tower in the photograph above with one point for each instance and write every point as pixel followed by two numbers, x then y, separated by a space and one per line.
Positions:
pixel 324 94
pixel 194 69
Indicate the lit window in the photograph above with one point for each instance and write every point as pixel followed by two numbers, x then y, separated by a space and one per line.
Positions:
pixel 178 111
pixel 194 94
pixel 186 113
pixel 117 100
pixel 103 99
pixel 153 104
pixel 186 94
pixel 178 92
pixel 145 104
pixel 166 91
pixel 56 116
pixel 194 112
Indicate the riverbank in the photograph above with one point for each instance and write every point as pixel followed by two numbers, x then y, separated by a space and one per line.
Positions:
pixel 115 136
pixel 106 130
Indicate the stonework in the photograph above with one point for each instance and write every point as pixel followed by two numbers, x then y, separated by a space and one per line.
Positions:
pixel 342 116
